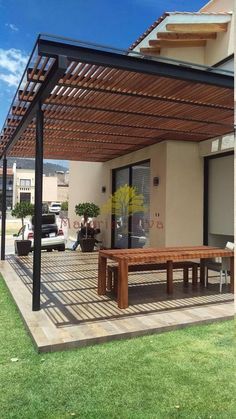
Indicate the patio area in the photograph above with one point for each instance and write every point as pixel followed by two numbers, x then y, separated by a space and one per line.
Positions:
pixel 74 315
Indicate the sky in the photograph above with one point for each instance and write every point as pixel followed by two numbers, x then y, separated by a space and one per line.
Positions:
pixel 117 23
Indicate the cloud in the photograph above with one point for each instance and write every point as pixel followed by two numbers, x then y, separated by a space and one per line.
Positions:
pixel 12 27
pixel 12 65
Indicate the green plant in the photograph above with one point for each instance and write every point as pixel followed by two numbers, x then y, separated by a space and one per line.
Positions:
pixel 87 210
pixel 64 206
pixel 22 210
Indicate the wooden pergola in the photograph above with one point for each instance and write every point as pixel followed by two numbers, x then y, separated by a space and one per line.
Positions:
pixel 89 103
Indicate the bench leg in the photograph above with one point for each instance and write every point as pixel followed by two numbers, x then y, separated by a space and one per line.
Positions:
pixel 109 280
pixel 115 282
pixel 102 269
pixel 202 273
pixel 185 273
pixel 169 277
pixel 194 277
pixel 123 284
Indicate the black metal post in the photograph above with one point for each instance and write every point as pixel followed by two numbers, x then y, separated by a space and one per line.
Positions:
pixel 38 209
pixel 4 207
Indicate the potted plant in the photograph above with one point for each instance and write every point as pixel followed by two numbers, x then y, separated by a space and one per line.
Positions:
pixel 87 210
pixel 22 210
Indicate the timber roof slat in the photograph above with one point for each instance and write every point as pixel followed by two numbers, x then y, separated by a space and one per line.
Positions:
pixel 98 112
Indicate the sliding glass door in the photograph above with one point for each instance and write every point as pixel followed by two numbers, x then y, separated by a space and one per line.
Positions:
pixel 131 201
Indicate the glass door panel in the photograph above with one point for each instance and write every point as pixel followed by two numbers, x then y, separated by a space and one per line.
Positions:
pixel 131 202
pixel 140 180
pixel 120 221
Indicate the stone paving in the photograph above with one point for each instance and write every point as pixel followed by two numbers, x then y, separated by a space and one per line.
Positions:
pixel 73 315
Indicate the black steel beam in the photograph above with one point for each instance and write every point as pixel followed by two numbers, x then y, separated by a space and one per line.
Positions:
pixel 38 209
pixel 156 67
pixel 4 207
pixel 56 72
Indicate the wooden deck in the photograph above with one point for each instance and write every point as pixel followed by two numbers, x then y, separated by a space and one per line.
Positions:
pixel 76 312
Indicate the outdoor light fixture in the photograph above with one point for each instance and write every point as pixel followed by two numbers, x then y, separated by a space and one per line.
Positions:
pixel 104 189
pixel 156 181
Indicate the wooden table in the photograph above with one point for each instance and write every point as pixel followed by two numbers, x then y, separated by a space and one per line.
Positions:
pixel 168 255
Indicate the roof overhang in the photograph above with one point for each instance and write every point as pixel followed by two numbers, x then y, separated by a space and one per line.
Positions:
pixel 101 103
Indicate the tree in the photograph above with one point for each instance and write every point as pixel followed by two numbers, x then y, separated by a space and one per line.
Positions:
pixel 87 210
pixel 22 210
pixel 64 206
pixel 124 202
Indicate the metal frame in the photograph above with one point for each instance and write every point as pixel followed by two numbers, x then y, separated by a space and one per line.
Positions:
pixel 4 207
pixel 38 209
pixel 56 73
pixel 62 52
pixel 114 171
pixel 128 62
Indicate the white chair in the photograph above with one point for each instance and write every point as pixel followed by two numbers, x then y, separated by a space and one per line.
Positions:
pixel 222 266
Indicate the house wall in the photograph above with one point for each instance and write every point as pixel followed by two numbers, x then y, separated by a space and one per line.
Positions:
pixel 214 51
pixel 49 188
pixel 62 193
pixel 174 205
pixel 218 6
pixel 184 194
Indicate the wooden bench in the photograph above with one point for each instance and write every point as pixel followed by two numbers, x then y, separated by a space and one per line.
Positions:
pixel 112 272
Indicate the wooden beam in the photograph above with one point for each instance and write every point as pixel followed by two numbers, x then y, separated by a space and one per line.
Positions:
pixel 175 36
pixel 150 51
pixel 197 27
pixel 179 44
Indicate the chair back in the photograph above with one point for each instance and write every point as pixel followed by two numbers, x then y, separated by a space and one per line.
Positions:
pixel 230 246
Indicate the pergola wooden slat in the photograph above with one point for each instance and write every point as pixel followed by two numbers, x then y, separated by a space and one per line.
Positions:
pixel 87 103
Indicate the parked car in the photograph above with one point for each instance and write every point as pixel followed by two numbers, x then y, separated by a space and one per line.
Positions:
pixel 55 207
pixel 52 235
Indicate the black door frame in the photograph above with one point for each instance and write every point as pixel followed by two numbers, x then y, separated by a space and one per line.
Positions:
pixel 114 171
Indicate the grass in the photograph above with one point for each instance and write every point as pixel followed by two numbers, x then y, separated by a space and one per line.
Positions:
pixel 188 373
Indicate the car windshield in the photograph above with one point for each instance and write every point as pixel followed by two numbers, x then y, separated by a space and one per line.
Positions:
pixel 55 205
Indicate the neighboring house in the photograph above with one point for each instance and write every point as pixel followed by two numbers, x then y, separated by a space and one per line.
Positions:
pixel 62 186
pixel 55 188
pixel 24 185
pixel 188 185
pixel 10 179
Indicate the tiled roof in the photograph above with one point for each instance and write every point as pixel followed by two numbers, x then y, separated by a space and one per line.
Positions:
pixel 9 171
pixel 160 19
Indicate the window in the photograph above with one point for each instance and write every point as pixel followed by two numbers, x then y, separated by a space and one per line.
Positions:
pixel 25 183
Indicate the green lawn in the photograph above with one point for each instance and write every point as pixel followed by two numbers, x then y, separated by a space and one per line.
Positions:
pixel 188 373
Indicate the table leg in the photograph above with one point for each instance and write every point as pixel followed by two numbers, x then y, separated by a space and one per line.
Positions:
pixel 185 276
pixel 232 274
pixel 202 272
pixel 169 277
pixel 102 267
pixel 123 301
pixel 194 278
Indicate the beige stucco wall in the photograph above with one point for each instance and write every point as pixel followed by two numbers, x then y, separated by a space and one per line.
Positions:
pixel 176 202
pixel 218 6
pixel 184 194
pixel 62 193
pixel 49 188
pixel 214 51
